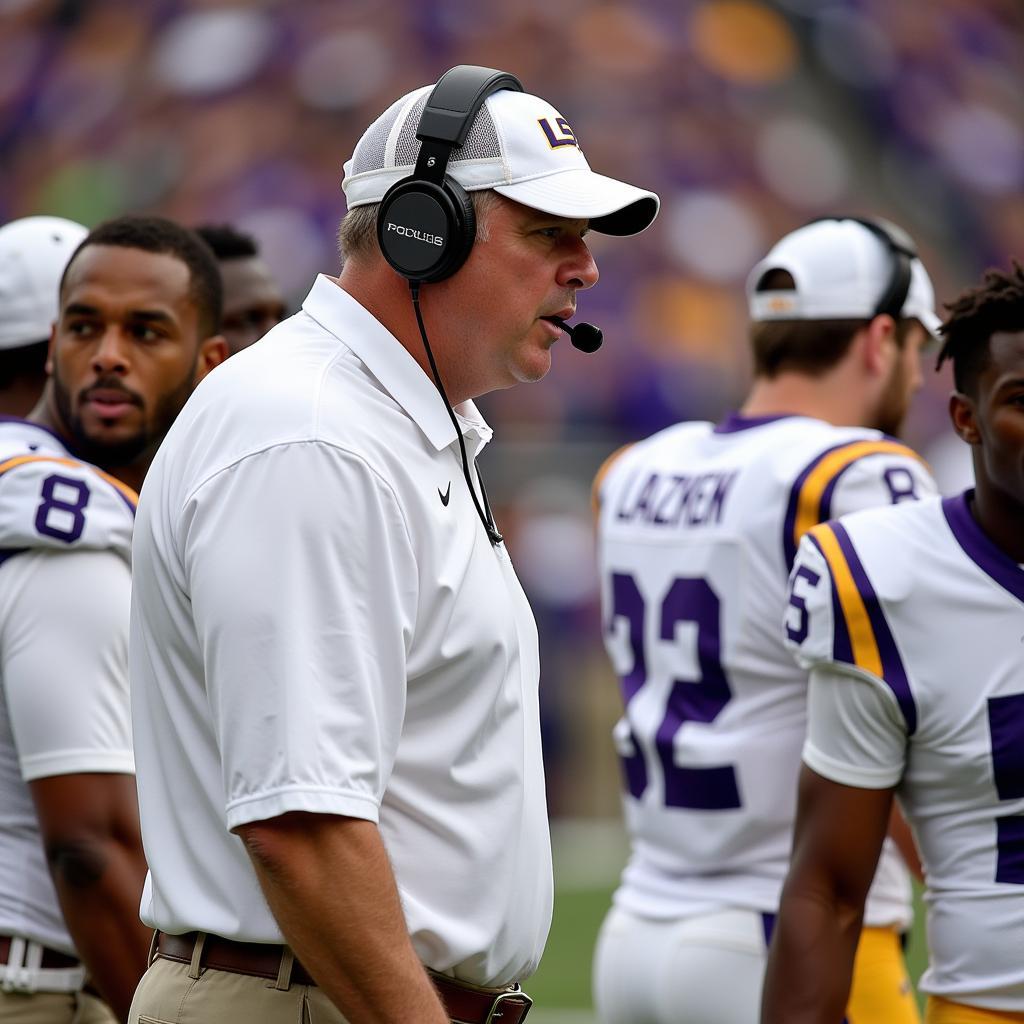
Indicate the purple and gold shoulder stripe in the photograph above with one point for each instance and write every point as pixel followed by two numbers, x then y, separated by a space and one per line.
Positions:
pixel 810 498
pixel 127 495
pixel 861 634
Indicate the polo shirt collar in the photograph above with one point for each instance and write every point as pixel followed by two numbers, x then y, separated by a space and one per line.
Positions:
pixel 396 370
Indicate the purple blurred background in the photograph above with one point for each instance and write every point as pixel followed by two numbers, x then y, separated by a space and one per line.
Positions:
pixel 748 118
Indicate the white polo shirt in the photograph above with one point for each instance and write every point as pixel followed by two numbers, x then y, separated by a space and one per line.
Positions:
pixel 319 623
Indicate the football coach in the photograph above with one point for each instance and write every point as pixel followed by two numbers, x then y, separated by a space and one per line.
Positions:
pixel 334 668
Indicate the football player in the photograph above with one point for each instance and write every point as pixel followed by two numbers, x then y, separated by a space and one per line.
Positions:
pixel 33 254
pixel 910 621
pixel 698 527
pixel 137 328
pixel 252 298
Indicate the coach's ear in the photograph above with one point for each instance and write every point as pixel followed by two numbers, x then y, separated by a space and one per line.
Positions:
pixel 962 413
pixel 212 352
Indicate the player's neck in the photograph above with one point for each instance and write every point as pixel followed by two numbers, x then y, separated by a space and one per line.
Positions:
pixel 45 414
pixel 800 395
pixel 1000 516
pixel 20 398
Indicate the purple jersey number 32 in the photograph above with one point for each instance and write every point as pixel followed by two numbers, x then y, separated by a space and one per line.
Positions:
pixel 689 700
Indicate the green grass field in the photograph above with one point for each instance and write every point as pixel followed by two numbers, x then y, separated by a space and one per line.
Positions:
pixel 561 987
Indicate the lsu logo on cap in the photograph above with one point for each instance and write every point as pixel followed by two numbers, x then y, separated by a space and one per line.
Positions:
pixel 560 135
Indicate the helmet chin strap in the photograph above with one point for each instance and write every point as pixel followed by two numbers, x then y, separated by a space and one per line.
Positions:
pixel 483 511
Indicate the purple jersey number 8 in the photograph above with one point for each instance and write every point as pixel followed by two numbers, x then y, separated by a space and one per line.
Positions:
pixel 700 700
pixel 62 516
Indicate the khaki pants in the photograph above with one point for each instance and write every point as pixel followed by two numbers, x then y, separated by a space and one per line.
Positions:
pixel 168 995
pixel 53 1008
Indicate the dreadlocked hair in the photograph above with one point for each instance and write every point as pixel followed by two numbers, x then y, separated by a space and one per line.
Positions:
pixel 995 305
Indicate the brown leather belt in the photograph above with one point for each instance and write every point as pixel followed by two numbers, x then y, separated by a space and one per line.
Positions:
pixel 52 959
pixel 261 960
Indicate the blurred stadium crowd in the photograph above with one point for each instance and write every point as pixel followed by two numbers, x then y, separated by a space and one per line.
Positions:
pixel 747 117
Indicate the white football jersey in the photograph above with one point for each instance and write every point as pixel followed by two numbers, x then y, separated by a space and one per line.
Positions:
pixel 698 528
pixel 65 545
pixel 912 622
pixel 49 499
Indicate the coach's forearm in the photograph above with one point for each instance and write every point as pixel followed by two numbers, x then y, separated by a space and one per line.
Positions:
pixel 810 964
pixel 330 886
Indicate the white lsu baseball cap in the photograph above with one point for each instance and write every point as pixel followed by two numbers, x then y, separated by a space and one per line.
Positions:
pixel 841 270
pixel 33 254
pixel 519 145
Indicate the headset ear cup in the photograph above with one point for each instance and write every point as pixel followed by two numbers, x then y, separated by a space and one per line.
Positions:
pixel 395 246
pixel 425 231
pixel 465 234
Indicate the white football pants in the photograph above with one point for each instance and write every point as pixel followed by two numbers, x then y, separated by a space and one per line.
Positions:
pixel 698 970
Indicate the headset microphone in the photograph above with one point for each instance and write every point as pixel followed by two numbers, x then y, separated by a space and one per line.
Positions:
pixel 585 337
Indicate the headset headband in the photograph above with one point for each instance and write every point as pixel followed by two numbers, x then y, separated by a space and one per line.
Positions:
pixel 425 223
pixel 903 250
pixel 449 113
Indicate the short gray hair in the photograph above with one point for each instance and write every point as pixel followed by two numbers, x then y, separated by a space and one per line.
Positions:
pixel 357 233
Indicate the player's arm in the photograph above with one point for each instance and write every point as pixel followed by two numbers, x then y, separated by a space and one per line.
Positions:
pixel 329 884
pixel 334 655
pixel 65 677
pixel 878 473
pixel 869 474
pixel 837 841
pixel 90 830
pixel 860 713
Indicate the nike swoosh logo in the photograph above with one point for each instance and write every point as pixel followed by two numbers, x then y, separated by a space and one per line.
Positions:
pixel 447 494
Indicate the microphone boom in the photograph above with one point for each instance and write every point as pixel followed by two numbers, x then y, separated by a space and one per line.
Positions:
pixel 585 337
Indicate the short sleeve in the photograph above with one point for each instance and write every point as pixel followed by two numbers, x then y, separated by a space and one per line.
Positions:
pixel 809 625
pixel 888 476
pixel 860 708
pixel 56 503
pixel 865 472
pixel 303 585
pixel 855 732
pixel 597 488
pixel 63 662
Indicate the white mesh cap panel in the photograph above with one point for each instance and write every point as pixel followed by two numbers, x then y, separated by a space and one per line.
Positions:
pixel 482 142
pixel 370 151
pixel 519 145
pixel 407 146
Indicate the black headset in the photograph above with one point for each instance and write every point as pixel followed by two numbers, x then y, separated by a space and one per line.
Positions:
pixel 901 247
pixel 425 224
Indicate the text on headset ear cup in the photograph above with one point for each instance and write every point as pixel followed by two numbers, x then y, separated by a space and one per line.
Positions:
pixel 425 230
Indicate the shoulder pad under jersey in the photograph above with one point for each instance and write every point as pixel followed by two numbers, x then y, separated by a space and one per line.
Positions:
pixel 50 500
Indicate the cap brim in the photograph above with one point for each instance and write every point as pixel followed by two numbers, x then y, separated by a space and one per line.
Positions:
pixel 611 206
pixel 930 321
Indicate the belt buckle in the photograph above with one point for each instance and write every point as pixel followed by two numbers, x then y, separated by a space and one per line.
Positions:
pixel 518 994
